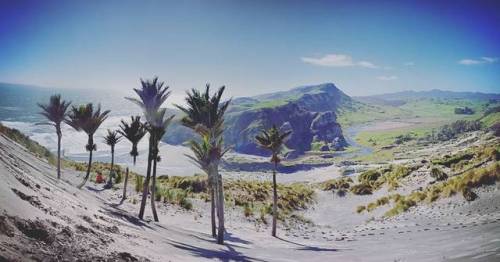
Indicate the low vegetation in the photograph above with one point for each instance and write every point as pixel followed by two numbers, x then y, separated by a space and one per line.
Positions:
pixel 456 128
pixel 32 146
pixel 438 174
pixel 254 197
pixel 460 184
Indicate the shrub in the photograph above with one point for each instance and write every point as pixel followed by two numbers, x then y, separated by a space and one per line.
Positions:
pixel 247 211
pixel 468 194
pixel 340 183
pixel 118 176
pixel 263 215
pixel 362 189
pixel 448 161
pixel 195 184
pixel 450 131
pixel 402 138
pixel 360 209
pixel 464 111
pixel 495 128
pixel 369 176
pixel 138 183
pixel 438 174
pixel 186 204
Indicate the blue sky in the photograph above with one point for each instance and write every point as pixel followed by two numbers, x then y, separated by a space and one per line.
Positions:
pixel 252 47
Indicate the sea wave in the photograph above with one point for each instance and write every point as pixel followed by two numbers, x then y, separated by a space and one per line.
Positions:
pixel 173 159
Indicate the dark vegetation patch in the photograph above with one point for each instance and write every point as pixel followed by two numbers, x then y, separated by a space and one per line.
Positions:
pixel 438 174
pixel 456 128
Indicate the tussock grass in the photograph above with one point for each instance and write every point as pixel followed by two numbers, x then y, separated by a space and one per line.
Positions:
pixel 460 184
pixel 258 194
pixel 438 174
pixel 251 196
pixel 374 179
pixel 332 184
pixel 138 183
pixel 362 189
pixel 369 176
pixel 195 184
pixel 32 146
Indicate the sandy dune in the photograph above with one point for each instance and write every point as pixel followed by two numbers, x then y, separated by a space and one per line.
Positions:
pixel 43 219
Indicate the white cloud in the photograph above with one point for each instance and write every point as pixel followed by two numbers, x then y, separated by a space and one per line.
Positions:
pixel 366 64
pixel 387 78
pixel 480 61
pixel 337 60
pixel 410 63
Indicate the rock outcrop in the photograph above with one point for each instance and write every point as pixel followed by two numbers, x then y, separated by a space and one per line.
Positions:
pixel 309 112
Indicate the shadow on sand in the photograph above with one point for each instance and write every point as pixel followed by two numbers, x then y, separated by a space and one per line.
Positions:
pixel 113 211
pixel 223 255
pixel 308 248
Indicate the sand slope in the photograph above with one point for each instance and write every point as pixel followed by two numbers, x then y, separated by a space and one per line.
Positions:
pixel 45 219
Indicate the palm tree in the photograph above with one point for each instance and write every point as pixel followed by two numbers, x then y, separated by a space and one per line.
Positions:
pixel 152 95
pixel 202 159
pixel 157 128
pixel 111 139
pixel 273 140
pixel 85 118
pixel 205 115
pixel 55 112
pixel 133 132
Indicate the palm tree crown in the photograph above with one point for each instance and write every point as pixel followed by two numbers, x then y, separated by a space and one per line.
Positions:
pixel 204 112
pixel 112 138
pixel 152 95
pixel 272 140
pixel 85 118
pixel 134 132
pixel 55 111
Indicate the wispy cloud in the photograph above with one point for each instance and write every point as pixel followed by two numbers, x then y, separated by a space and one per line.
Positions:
pixel 337 60
pixel 409 63
pixel 480 61
pixel 387 78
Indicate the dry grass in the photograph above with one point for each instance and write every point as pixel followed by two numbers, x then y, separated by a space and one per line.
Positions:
pixel 462 184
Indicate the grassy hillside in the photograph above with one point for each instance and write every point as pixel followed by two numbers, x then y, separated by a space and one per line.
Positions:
pixel 32 146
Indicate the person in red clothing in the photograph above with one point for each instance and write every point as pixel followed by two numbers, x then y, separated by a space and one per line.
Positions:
pixel 99 179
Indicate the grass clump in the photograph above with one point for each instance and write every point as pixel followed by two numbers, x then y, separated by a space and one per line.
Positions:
pixel 332 184
pixel 438 174
pixel 195 184
pixel 174 196
pixel 248 211
pixel 462 184
pixel 257 195
pixel 369 176
pixel 360 209
pixel 448 161
pixel 138 183
pixel 362 189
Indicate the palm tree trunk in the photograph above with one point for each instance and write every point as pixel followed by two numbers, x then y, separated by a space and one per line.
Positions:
pixel 145 187
pixel 212 208
pixel 91 142
pixel 275 201
pixel 220 206
pixel 125 185
pixel 153 189
pixel 59 154
pixel 111 172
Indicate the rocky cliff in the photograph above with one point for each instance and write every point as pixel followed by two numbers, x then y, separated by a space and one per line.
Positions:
pixel 309 112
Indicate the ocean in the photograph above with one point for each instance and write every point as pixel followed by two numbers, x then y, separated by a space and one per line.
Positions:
pixel 19 110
